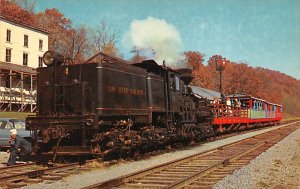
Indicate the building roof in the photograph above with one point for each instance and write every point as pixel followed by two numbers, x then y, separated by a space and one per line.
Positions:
pixel 100 56
pixel 16 22
pixel 17 68
pixel 205 92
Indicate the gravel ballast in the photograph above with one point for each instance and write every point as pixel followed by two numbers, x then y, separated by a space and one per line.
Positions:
pixel 278 167
pixel 106 173
pixel 122 168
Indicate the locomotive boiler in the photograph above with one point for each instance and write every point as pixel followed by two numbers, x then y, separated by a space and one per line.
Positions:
pixel 114 109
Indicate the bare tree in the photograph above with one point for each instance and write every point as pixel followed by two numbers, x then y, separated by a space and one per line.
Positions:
pixel 79 44
pixel 103 37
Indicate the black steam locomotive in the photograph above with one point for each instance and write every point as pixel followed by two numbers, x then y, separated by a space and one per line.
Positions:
pixel 114 109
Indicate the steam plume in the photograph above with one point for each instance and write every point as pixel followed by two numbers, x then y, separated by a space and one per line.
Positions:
pixel 157 36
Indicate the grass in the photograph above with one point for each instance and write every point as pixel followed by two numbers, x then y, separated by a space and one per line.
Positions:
pixel 17 115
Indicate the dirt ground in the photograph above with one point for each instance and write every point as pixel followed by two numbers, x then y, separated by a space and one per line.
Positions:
pixel 3 158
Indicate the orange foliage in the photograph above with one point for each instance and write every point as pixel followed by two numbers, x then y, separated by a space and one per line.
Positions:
pixel 59 27
pixel 195 61
pixel 15 12
pixel 241 78
pixel 70 42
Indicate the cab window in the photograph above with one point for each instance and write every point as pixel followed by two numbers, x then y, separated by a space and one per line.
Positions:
pixel 174 82
pixel 177 83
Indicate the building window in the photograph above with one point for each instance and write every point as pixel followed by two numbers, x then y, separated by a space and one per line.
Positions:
pixel 41 44
pixel 25 40
pixel 8 35
pixel 8 55
pixel 25 59
pixel 40 62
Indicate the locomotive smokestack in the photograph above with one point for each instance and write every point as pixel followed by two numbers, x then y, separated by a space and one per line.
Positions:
pixel 186 75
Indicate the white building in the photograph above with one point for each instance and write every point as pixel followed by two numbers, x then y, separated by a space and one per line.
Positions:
pixel 21 51
pixel 22 44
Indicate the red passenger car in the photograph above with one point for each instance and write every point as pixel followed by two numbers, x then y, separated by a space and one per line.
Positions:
pixel 244 111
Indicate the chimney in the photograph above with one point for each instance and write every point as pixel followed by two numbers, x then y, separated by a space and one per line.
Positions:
pixel 186 75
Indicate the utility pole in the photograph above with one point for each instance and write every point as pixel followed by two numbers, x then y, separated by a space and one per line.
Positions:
pixel 137 53
pixel 220 65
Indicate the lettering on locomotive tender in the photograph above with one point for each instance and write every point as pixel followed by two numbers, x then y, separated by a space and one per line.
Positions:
pixel 124 90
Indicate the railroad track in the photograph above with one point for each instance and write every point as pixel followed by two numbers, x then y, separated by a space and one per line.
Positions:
pixel 24 174
pixel 202 170
pixel 21 175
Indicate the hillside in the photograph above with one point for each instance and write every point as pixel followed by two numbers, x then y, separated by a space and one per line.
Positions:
pixel 237 77
pixel 241 78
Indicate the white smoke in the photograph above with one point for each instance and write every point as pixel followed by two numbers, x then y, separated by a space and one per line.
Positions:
pixel 158 37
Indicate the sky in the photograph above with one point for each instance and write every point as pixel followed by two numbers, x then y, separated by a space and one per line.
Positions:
pixel 264 33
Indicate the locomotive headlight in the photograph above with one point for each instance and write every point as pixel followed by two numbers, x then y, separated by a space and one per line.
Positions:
pixel 89 121
pixel 51 58
pixel 48 58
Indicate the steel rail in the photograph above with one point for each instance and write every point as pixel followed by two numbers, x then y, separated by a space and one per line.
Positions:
pixel 16 166
pixel 139 179
pixel 185 181
pixel 23 177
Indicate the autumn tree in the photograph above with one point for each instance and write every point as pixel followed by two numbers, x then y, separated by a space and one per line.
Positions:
pixel 242 79
pixel 195 61
pixel 77 43
pixel 213 75
pixel 59 27
pixel 103 38
pixel 13 11
pixel 79 47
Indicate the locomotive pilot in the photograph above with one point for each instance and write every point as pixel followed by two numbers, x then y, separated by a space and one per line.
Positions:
pixel 19 147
